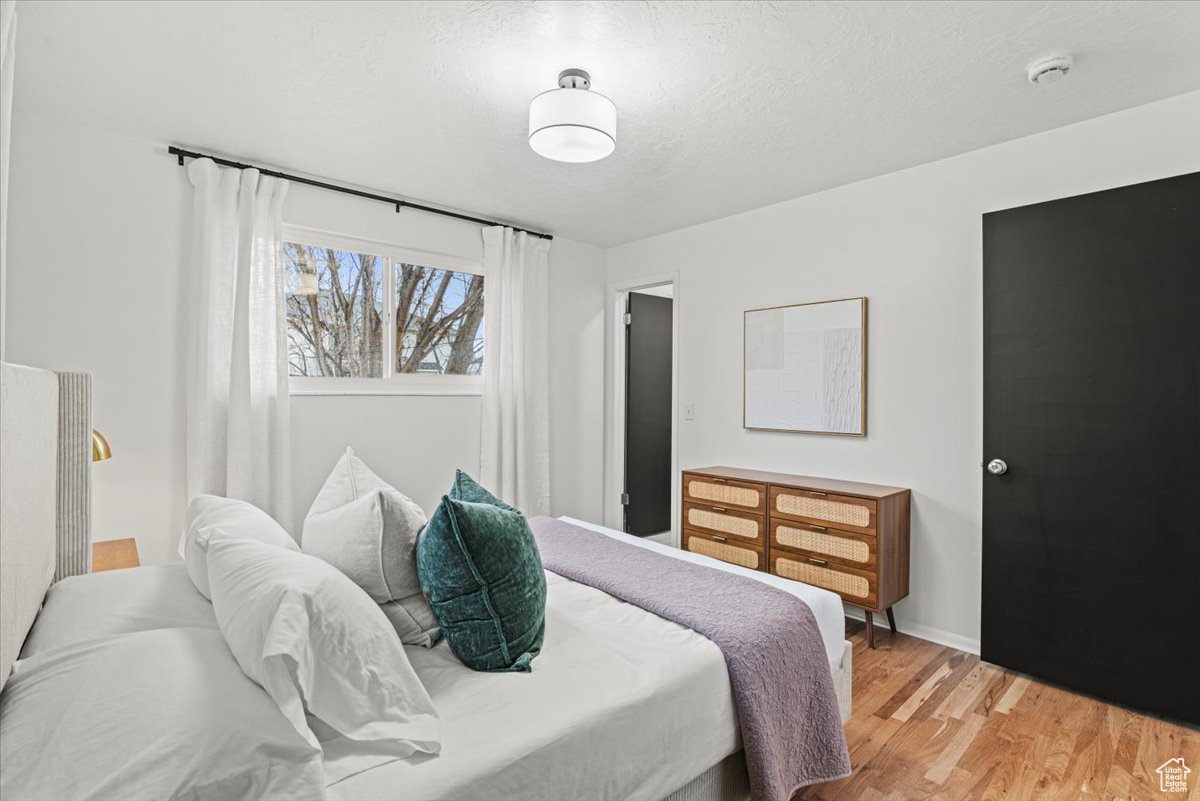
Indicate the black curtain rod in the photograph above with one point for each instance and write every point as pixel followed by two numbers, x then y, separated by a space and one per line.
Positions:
pixel 391 201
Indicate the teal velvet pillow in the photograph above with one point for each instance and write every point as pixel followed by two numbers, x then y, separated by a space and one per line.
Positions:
pixel 466 488
pixel 480 567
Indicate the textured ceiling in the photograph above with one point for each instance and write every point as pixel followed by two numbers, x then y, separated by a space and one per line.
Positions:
pixel 723 107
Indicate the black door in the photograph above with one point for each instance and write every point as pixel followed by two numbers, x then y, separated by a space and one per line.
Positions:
pixel 648 415
pixel 1091 539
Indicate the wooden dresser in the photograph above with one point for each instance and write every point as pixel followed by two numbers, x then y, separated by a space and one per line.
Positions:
pixel 845 536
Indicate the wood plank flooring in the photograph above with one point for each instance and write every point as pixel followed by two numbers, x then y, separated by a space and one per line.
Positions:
pixel 931 722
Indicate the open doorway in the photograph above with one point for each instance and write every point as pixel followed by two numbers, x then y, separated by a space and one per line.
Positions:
pixel 644 434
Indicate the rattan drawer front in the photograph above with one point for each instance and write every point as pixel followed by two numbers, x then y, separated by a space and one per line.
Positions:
pixel 856 550
pixel 840 511
pixel 727 551
pixel 715 491
pixel 745 526
pixel 856 586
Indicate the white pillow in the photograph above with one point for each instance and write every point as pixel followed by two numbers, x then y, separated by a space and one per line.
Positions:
pixel 117 602
pixel 162 714
pixel 318 643
pixel 236 518
pixel 368 530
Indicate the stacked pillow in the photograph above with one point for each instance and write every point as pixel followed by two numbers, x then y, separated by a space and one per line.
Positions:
pixel 291 664
pixel 207 513
pixel 309 636
pixel 317 628
pixel 480 565
pixel 368 530
pixel 318 645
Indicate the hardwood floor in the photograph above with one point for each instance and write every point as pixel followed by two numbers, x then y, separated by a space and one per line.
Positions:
pixel 932 722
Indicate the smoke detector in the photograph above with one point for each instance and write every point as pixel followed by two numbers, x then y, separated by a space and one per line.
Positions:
pixel 1048 70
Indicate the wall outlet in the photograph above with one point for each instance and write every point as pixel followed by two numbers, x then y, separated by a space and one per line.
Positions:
pixel 689 411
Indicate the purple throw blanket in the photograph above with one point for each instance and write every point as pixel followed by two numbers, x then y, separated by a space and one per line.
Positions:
pixel 778 670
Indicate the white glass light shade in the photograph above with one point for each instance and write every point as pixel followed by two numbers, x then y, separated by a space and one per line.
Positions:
pixel 574 125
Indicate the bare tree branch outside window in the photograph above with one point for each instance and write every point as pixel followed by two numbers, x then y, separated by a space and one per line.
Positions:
pixel 335 316
pixel 439 317
pixel 337 332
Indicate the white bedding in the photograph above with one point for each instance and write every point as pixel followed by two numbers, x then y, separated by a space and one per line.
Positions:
pixel 161 714
pixel 621 704
pixel 115 602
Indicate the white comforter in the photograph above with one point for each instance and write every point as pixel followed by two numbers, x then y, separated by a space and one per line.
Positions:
pixel 621 704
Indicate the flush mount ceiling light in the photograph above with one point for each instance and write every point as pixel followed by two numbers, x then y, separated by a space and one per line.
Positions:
pixel 1049 70
pixel 572 123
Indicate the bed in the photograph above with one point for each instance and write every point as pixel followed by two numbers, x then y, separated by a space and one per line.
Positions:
pixel 623 704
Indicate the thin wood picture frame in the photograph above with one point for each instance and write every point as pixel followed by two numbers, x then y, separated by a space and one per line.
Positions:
pixel 862 394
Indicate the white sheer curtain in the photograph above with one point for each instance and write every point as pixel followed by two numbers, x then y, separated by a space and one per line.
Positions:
pixel 237 410
pixel 515 453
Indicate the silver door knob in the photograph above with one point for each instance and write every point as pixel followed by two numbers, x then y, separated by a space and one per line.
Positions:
pixel 997 467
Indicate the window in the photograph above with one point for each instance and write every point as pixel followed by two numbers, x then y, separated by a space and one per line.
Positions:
pixel 365 317
pixel 334 312
pixel 439 320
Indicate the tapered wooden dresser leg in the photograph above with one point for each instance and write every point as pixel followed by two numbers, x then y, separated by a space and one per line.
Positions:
pixel 891 619
pixel 869 616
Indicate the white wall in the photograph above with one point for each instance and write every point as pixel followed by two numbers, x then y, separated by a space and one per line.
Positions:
pixel 96 228
pixel 911 242
pixel 577 275
pixel 98 237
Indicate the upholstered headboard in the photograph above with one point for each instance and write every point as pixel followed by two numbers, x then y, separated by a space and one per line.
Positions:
pixel 45 493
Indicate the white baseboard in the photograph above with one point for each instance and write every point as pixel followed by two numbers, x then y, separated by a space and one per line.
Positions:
pixel 939 636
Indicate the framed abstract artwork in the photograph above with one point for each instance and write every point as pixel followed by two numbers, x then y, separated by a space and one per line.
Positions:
pixel 805 368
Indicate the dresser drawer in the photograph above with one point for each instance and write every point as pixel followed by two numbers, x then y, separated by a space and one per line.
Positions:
pixel 727 492
pixel 733 524
pixel 725 549
pixel 856 586
pixel 825 509
pixel 844 547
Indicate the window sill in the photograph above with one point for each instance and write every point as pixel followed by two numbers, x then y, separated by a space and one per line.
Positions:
pixel 428 385
pixel 426 391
